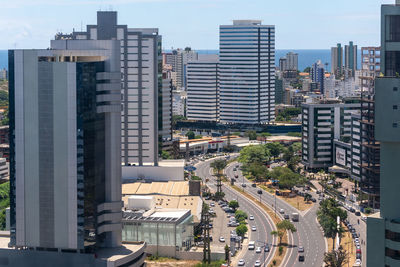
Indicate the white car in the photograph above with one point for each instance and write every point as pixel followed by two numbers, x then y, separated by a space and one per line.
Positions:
pixel 221 239
pixel 212 204
pixel 241 262
pixel 357 262
pixel 282 211
pixel 253 228
pixel 251 217
pixel 258 250
pixel 257 263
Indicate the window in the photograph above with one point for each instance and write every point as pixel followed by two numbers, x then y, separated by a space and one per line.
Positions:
pixel 392 63
pixel 394 125
pixel 394 89
pixel 393 28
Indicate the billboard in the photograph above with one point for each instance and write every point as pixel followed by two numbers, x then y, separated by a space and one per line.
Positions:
pixel 340 156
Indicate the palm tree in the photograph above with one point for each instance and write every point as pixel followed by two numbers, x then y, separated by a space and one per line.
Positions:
pixel 336 258
pixel 218 165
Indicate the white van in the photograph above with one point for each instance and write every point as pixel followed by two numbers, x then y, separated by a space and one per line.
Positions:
pixel 252 245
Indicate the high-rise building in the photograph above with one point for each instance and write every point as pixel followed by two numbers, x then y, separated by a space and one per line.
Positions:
pixel 289 62
pixel 247 72
pixel 317 74
pixel 350 58
pixel 322 124
pixel 182 58
pixel 165 114
pixel 370 149
pixel 337 60
pixel 65 164
pixel 141 81
pixel 279 92
pixel 202 90
pixel 383 228
pixel 292 61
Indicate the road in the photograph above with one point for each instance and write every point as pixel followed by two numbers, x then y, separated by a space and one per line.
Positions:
pixel 309 235
pixel 263 224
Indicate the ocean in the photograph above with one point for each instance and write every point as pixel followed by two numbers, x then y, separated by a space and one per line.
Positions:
pixel 306 57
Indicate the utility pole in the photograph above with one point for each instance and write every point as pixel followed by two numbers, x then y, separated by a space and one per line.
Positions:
pixel 206 235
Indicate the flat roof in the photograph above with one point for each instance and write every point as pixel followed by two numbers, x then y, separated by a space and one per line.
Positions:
pixel 169 214
pixel 172 188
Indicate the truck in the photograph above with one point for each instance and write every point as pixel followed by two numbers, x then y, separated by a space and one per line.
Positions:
pixel 295 217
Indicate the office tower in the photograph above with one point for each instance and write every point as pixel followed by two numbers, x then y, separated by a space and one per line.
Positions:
pixel 202 90
pixel 283 64
pixel 370 149
pixel 350 58
pixel 323 123
pixel 317 74
pixel 247 72
pixel 337 60
pixel 182 58
pixel 383 229
pixel 165 114
pixel 292 61
pixel 279 92
pixel 65 144
pixel 140 61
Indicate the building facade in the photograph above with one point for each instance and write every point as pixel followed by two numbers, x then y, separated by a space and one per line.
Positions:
pixel 350 58
pixel 317 74
pixel 140 63
pixel 247 72
pixel 383 229
pixel 337 60
pixel 322 124
pixel 202 90
pixel 65 164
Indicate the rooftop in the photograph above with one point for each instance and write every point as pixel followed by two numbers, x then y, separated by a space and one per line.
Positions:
pixel 170 188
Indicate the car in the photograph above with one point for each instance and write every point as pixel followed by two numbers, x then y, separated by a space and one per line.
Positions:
pixel 253 185
pixel 357 262
pixel 300 249
pixel 356 240
pixel 357 213
pixel 253 228
pixel 236 176
pixel 266 248
pixel 258 250
pixel 282 211
pixel 358 247
pixel 212 204
pixel 358 256
pixel 313 200
pixel 352 210
pixel 363 218
pixel 358 250
pixel 234 169
pixel 301 257
pixel 257 263
pixel 286 216
pixel 243 185
pixel 318 192
pixel 251 217
pixel 241 262
pixel 221 239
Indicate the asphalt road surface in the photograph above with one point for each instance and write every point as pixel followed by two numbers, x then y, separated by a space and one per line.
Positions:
pixel 263 224
pixel 309 235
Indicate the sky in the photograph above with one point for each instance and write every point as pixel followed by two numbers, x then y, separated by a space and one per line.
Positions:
pixel 306 24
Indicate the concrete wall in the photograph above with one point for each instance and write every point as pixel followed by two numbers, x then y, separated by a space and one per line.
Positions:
pixel 153 173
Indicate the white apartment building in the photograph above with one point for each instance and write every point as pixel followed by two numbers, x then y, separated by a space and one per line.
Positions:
pixel 178 103
pixel 322 124
pixel 247 72
pixel 141 82
pixel 202 90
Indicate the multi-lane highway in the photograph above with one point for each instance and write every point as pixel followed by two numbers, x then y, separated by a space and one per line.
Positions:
pixel 261 220
pixel 308 232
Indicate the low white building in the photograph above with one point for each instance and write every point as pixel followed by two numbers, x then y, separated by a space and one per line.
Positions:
pixel 167 170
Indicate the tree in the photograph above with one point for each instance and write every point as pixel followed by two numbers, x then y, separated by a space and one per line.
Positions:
pixel 275 149
pixel 254 154
pixel 227 254
pixel 336 258
pixel 294 134
pixel 190 135
pixel 234 204
pixel 252 135
pixel 218 165
pixel 5 120
pixel 240 215
pixel 279 234
pixel 241 230
pixel 307 197
pixel 176 118
pixel 282 227
pixel 165 155
pixel 198 136
pixel 308 69
pixel 258 171
pixel 287 178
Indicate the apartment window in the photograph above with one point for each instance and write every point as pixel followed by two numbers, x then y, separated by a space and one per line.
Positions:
pixel 394 125
pixel 395 107
pixel 395 89
pixel 392 236
pixel 392 63
pixel 394 254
